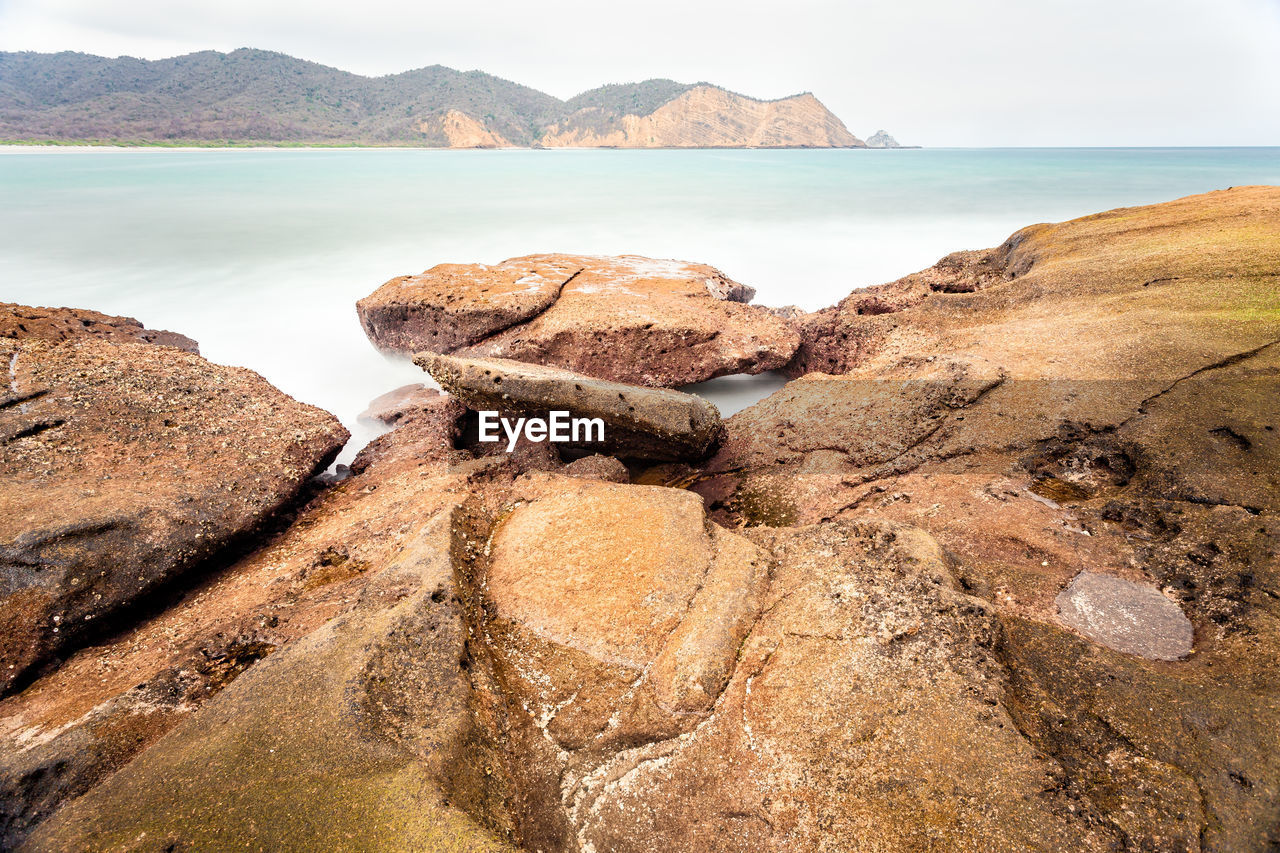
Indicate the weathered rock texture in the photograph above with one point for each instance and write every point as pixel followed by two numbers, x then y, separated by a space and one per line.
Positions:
pixel 1097 396
pixel 935 599
pixel 629 319
pixel 90 716
pixel 349 738
pixel 23 322
pixel 125 464
pixel 650 423
pixel 707 117
pixel 583 665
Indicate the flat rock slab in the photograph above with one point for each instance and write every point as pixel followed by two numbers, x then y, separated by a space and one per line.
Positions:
pixel 629 319
pixel 1129 617
pixel 646 423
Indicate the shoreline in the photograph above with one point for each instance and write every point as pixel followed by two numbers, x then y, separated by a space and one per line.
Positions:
pixel 156 146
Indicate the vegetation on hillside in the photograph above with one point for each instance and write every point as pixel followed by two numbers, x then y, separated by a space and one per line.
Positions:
pixel 250 97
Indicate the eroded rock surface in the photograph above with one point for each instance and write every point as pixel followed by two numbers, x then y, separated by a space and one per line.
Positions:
pixel 652 423
pixel 24 322
pixel 581 665
pixel 124 465
pixel 1095 395
pixel 349 738
pixel 863 628
pixel 628 319
pixel 784 690
pixel 84 720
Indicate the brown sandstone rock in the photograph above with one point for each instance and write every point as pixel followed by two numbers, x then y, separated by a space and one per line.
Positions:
pixel 598 467
pixel 124 465
pixel 628 319
pixel 23 322
pixel 650 423
pixel 390 408
pixel 680 687
pixel 883 666
pixel 90 716
pixel 1143 292
pixel 1130 433
pixel 349 738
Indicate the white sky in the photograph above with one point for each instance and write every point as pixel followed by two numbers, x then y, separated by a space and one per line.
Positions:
pixel 932 72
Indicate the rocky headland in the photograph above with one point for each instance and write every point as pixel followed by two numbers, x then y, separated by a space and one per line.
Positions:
pixel 261 97
pixel 998 569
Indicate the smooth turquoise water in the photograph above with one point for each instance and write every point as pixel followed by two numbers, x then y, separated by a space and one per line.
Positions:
pixel 260 255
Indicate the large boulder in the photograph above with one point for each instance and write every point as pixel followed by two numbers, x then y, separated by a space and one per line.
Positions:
pixel 124 465
pixel 649 423
pixel 628 319
pixel 1133 293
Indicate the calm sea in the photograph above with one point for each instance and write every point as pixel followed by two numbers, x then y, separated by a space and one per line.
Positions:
pixel 261 255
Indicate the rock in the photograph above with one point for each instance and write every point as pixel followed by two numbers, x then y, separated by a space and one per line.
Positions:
pixel 813 682
pixel 350 733
pixel 1116 399
pixel 126 464
pixel 649 423
pixel 659 594
pixel 676 323
pixel 391 407
pixel 864 418
pixel 1125 616
pixel 597 467
pixel 880 139
pixel 1074 299
pixel 678 682
pixel 425 432
pixel 855 628
pixel 89 717
pixel 454 305
pixel 23 322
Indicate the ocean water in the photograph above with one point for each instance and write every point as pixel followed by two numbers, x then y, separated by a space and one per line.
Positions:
pixel 260 255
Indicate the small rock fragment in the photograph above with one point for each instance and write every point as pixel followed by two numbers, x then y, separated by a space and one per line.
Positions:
pixel 1129 617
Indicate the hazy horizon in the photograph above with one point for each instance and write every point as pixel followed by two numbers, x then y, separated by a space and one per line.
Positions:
pixel 975 74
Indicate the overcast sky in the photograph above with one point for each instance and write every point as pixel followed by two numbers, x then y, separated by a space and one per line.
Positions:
pixel 933 72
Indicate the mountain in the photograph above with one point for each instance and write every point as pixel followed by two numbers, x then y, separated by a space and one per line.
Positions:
pixel 258 96
pixel 706 116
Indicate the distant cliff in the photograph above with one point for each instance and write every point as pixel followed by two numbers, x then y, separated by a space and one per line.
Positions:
pixel 705 116
pixel 260 97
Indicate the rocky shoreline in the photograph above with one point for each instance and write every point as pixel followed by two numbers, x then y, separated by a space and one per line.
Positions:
pixel 998 568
